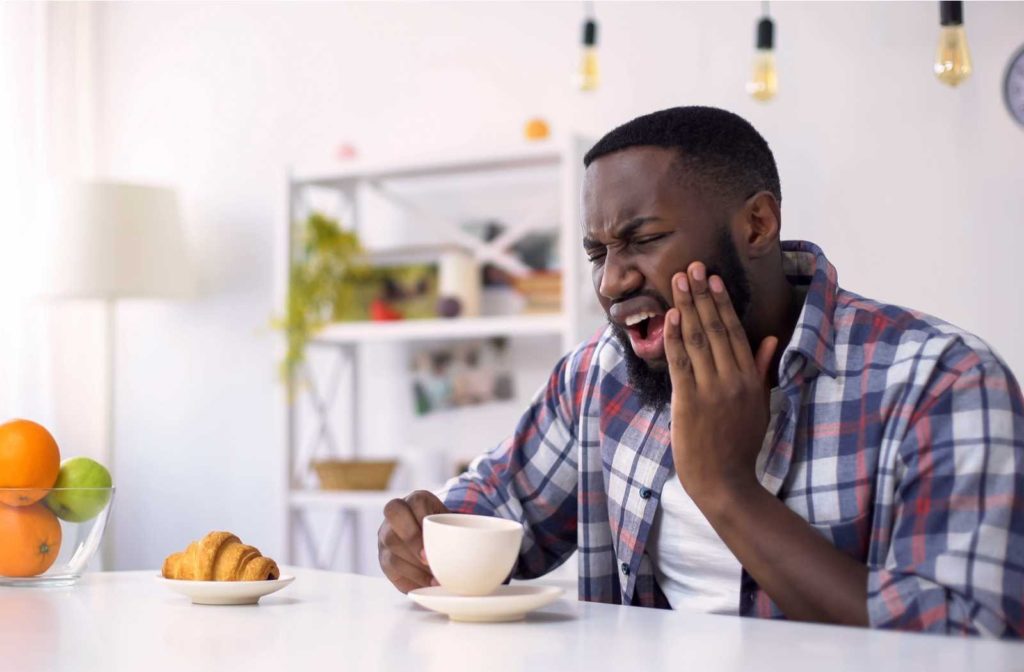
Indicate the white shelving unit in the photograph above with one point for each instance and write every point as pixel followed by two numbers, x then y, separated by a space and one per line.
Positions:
pixel 467 327
pixel 528 189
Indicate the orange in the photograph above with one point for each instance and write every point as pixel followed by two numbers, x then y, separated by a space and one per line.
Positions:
pixel 29 539
pixel 536 129
pixel 29 458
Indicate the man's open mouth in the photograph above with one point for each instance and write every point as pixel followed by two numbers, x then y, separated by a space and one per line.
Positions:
pixel 646 331
pixel 640 321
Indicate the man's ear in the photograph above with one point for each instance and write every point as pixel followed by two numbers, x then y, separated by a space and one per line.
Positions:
pixel 760 225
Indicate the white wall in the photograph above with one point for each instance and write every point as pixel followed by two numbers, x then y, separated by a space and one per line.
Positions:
pixel 913 189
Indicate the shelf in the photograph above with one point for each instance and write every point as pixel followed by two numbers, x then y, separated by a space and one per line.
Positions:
pixel 349 499
pixel 425 199
pixel 462 327
pixel 541 154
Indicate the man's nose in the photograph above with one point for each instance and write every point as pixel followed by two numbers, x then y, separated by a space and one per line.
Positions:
pixel 618 278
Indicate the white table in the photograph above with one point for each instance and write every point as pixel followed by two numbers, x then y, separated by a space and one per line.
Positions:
pixel 327 621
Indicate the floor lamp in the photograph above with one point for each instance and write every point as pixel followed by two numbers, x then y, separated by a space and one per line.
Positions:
pixel 109 241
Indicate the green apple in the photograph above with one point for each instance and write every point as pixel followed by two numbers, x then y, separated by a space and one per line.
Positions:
pixel 78 506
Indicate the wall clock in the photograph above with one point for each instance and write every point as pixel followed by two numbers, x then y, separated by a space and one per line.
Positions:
pixel 1013 86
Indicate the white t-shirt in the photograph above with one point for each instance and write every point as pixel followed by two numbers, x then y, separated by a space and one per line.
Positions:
pixel 693 566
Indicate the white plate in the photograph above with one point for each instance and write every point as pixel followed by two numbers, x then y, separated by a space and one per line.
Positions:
pixel 226 592
pixel 507 603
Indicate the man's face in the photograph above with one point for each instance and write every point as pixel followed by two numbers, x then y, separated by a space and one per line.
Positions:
pixel 645 221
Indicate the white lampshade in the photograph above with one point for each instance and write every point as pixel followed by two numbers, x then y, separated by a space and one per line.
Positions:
pixel 110 240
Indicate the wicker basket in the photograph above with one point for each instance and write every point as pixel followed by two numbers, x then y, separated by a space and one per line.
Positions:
pixel 354 474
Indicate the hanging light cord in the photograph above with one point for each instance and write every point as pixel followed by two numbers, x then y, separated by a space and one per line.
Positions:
pixel 765 9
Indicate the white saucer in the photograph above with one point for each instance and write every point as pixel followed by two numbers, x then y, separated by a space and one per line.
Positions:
pixel 226 592
pixel 507 603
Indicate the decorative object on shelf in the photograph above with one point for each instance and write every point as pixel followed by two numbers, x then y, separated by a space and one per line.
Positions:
pixel 324 280
pixel 382 311
pixel 589 74
pixel 403 291
pixel 354 474
pixel 459 277
pixel 764 82
pixel 953 58
pixel 463 374
pixel 531 251
pixel 448 306
pixel 346 151
pixel 537 129
pixel 333 280
pixel 1013 86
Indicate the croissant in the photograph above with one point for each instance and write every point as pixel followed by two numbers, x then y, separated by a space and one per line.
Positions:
pixel 220 556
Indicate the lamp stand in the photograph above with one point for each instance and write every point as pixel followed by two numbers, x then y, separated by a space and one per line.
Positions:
pixel 110 366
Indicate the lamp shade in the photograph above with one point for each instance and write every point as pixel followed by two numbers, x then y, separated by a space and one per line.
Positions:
pixel 111 240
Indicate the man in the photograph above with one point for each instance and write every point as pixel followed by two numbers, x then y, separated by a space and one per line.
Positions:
pixel 747 437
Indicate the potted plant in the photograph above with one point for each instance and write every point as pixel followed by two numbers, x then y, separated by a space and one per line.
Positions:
pixel 325 284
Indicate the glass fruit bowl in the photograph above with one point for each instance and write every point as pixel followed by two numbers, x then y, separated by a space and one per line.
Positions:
pixel 48 536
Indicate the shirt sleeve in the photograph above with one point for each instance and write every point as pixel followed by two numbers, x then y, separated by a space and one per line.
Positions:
pixel 956 558
pixel 532 477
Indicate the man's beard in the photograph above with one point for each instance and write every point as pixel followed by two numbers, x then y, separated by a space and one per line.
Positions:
pixel 651 382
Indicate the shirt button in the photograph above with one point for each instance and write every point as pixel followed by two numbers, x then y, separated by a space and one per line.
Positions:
pixel 645 493
pixel 625 568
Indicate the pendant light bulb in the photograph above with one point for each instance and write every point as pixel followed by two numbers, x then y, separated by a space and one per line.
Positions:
pixel 589 74
pixel 764 82
pixel 953 58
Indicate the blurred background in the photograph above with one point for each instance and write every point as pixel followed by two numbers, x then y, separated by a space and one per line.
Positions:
pixel 366 224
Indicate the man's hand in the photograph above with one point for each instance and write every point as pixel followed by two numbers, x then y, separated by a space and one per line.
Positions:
pixel 400 540
pixel 719 417
pixel 719 389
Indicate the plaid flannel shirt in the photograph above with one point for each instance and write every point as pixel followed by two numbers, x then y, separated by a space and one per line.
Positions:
pixel 900 440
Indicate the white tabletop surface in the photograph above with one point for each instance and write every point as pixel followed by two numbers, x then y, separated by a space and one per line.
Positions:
pixel 328 621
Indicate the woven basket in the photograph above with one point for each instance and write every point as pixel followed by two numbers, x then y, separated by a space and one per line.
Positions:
pixel 354 474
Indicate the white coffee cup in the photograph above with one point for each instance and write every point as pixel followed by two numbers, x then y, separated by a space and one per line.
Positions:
pixel 471 555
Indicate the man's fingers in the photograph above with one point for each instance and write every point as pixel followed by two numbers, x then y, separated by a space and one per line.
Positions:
pixel 715 331
pixel 695 341
pixel 387 539
pixel 399 515
pixel 400 571
pixel 400 540
pixel 733 327
pixel 413 572
pixel 680 369
pixel 425 503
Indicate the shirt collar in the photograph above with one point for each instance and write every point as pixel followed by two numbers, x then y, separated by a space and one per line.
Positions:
pixel 811 349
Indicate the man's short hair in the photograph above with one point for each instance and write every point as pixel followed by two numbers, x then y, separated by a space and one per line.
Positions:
pixel 720 149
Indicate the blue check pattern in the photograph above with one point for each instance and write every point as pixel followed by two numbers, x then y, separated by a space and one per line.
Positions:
pixel 900 440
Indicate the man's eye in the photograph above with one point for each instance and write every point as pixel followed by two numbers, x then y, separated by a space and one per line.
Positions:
pixel 648 239
pixel 594 257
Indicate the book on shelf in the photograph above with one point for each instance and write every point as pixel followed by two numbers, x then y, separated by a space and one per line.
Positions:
pixel 542 291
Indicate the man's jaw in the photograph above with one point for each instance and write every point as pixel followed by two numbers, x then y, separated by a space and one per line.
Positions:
pixel 649 378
